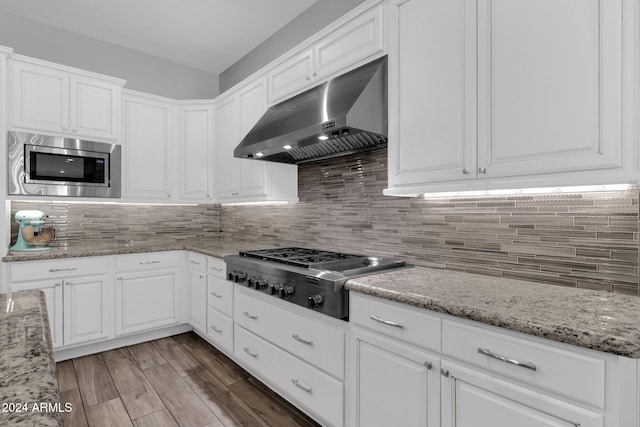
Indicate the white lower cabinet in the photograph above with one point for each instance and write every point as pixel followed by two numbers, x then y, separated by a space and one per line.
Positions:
pixel 481 376
pixel 146 300
pixel 394 385
pixel 79 295
pixel 88 309
pixel 219 301
pixel 474 399
pixel 302 383
pixel 197 283
pixel 298 354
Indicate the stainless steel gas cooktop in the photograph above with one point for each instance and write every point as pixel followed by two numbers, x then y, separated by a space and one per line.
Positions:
pixel 307 277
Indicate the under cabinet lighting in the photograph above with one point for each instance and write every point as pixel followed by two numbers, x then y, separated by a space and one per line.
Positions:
pixel 274 202
pixel 287 147
pixel 100 202
pixel 259 154
pixel 323 137
pixel 544 190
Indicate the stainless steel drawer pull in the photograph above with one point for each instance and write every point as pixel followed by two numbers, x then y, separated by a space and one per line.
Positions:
pixel 300 386
pixel 216 295
pixel 302 340
pixel 216 268
pixel 250 353
pixel 216 329
pixel 149 262
pixel 55 270
pixel 489 353
pixel 194 262
pixel 387 322
pixel 250 316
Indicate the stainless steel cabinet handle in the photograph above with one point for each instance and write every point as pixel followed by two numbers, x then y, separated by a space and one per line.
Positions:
pixel 64 129
pixel 444 372
pixel 250 353
pixel 465 171
pixel 194 262
pixel 59 284
pixel 56 270
pixel 302 340
pixel 300 386
pixel 387 322
pixel 428 365
pixel 149 262
pixel 482 170
pixel 216 295
pixel 250 316
pixel 216 329
pixel 216 268
pixel 505 359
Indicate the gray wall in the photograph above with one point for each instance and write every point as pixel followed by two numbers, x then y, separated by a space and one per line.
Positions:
pixel 304 26
pixel 143 72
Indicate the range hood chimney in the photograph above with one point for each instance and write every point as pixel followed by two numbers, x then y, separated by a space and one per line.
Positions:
pixel 344 115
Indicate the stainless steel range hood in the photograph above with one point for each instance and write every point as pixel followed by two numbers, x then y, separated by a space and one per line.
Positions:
pixel 344 115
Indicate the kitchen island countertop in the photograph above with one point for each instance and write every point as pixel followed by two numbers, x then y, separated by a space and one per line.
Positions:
pixel 28 385
pixel 598 320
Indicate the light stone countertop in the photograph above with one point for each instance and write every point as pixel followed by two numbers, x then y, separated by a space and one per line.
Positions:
pixel 27 368
pixel 213 247
pixel 597 320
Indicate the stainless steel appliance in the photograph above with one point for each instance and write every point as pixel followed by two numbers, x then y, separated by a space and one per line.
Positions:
pixel 344 115
pixel 54 166
pixel 307 277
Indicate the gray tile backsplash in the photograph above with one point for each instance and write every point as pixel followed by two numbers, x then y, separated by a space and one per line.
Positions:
pixel 586 240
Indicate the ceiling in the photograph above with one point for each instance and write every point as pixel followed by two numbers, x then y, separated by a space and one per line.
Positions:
pixel 209 35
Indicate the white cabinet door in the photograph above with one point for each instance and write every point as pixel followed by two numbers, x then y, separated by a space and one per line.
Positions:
pixel 88 309
pixel 197 145
pixel 94 108
pixel 432 89
pixel 226 139
pixel 473 399
pixel 394 384
pixel 291 75
pixel 146 172
pixel 40 98
pixel 53 296
pixel 146 300
pixel 251 175
pixel 550 86
pixel 353 42
pixel 198 300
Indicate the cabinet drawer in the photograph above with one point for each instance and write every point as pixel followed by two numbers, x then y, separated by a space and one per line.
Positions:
pixel 413 326
pixel 40 270
pixel 307 385
pixel 220 295
pixel 148 261
pixel 574 375
pixel 197 261
pixel 316 343
pixel 216 267
pixel 220 329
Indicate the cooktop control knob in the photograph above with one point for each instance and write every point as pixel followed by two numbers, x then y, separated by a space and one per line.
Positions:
pixel 273 289
pixel 251 281
pixel 241 277
pixel 262 284
pixel 315 301
pixel 285 291
pixel 232 274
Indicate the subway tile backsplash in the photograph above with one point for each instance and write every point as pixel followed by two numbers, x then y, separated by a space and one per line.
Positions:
pixel 585 240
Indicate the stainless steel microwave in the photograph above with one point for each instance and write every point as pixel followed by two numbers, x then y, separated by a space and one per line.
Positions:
pixel 45 165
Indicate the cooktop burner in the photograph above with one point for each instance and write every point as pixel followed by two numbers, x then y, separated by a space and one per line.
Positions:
pixel 299 257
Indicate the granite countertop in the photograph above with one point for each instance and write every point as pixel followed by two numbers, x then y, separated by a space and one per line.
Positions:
pixel 28 371
pixel 597 320
pixel 213 247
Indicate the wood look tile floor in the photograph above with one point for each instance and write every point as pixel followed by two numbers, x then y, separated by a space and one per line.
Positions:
pixel 176 381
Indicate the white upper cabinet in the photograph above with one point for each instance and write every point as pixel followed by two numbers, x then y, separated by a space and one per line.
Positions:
pixel 432 87
pixel 196 127
pixel 490 94
pixel 147 130
pixel 242 180
pixel 49 99
pixel 340 48
pixel 550 87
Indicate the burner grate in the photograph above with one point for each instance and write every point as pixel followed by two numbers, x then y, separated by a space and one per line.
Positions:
pixel 300 257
